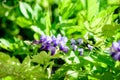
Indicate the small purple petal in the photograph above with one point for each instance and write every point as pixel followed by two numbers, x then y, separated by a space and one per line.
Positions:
pixel 53 50
pixel 53 37
pixel 80 41
pixel 90 47
pixel 61 47
pixel 65 50
pixel 48 39
pixel 47 47
pixel 36 41
pixel 72 41
pixel 119 42
pixel 112 54
pixel 115 46
pixel 55 43
pixel 64 39
pixel 74 47
pixel 116 56
pixel 42 38
pixel 80 50
pixel 59 37
pixel 42 47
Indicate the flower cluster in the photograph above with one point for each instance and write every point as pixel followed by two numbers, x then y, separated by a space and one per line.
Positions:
pixel 53 43
pixel 75 44
pixel 115 50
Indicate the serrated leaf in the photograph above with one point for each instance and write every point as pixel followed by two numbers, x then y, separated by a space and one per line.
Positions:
pixel 5 58
pixel 41 58
pixel 26 61
pixel 7 65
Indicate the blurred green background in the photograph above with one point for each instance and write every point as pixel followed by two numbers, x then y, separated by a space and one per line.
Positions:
pixel 97 22
pixel 28 19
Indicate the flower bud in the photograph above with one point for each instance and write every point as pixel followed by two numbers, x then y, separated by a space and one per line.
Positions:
pixel 80 41
pixel 90 47
pixel 73 41
pixel 80 50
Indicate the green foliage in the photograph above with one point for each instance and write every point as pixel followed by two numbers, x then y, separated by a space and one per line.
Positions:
pixel 23 22
pixel 109 30
pixel 12 68
pixel 97 22
pixel 26 10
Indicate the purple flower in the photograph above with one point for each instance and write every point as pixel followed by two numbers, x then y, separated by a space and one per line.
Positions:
pixel 80 41
pixel 55 41
pixel 115 47
pixel 116 56
pixel 59 37
pixel 63 48
pixel 42 38
pixel 49 43
pixel 64 39
pixel 36 41
pixel 115 50
pixel 59 40
pixel 53 50
pixel 48 40
pixel 90 47
pixel 42 47
pixel 74 47
pixel 80 50
pixel 73 41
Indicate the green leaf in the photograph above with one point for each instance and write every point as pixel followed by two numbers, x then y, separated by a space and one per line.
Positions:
pixel 7 65
pixel 23 22
pixel 36 36
pixel 41 58
pixel 37 13
pixel 59 74
pixel 48 23
pixel 5 58
pixel 11 68
pixel 114 2
pixel 92 8
pixel 37 29
pixel 26 61
pixel 107 76
pixel 4 43
pixel 26 9
pixel 109 30
pixel 105 59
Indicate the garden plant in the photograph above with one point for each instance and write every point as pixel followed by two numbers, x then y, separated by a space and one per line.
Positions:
pixel 59 39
